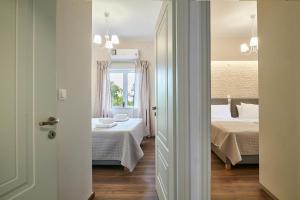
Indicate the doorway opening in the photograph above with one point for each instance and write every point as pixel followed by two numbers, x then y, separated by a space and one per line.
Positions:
pixel 234 101
pixel 129 68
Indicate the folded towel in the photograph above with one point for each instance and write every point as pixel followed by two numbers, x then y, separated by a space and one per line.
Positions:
pixel 121 117
pixel 122 120
pixel 100 125
pixel 106 120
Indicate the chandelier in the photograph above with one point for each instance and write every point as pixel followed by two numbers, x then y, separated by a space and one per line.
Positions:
pixel 110 39
pixel 253 44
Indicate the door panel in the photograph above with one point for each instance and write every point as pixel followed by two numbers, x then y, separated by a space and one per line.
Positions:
pixel 27 88
pixel 164 139
pixel 8 90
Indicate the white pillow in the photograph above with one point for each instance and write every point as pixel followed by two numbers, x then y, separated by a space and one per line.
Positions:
pixel 249 111
pixel 106 120
pixel 221 112
pixel 239 109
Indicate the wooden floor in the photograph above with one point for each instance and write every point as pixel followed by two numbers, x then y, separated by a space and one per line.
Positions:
pixel 112 183
pixel 239 183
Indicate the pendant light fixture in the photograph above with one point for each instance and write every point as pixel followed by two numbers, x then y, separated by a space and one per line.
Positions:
pixel 110 39
pixel 253 44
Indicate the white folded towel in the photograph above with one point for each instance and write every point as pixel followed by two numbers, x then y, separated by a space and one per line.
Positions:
pixel 106 120
pixel 101 125
pixel 120 117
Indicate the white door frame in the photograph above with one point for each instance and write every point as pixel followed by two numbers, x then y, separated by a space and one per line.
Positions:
pixel 193 99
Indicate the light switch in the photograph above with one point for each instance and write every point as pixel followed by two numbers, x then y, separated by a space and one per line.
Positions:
pixel 62 94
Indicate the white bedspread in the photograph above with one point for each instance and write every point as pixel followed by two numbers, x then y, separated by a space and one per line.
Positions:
pixel 121 142
pixel 236 138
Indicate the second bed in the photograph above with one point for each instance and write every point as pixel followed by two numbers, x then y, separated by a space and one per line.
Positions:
pixel 233 140
pixel 119 145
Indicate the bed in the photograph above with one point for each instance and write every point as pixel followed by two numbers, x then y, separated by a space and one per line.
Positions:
pixel 119 145
pixel 234 140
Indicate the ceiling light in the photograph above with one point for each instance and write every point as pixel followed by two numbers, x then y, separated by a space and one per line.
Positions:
pixel 244 48
pixel 253 44
pixel 110 40
pixel 97 39
pixel 115 39
pixel 109 44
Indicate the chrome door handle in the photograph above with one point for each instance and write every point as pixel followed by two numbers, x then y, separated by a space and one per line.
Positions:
pixel 51 121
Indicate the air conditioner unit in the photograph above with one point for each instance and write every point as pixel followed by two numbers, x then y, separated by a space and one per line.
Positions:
pixel 124 55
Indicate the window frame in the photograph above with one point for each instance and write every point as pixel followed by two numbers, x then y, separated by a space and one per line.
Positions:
pixel 125 72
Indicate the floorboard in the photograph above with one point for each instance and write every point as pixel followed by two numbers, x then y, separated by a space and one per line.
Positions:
pixel 112 183
pixel 239 183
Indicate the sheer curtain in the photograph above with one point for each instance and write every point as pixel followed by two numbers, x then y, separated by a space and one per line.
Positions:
pixel 142 93
pixel 102 106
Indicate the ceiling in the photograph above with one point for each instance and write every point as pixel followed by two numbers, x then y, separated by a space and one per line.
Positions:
pixel 231 18
pixel 128 18
pixel 137 18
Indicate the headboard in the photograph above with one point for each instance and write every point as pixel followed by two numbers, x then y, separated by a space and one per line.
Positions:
pixel 233 102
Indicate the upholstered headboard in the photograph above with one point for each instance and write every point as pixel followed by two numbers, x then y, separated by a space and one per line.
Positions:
pixel 233 102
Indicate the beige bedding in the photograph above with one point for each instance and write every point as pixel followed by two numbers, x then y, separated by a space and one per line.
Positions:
pixel 235 138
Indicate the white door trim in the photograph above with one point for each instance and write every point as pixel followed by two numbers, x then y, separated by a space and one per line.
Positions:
pixel 182 100
pixel 193 99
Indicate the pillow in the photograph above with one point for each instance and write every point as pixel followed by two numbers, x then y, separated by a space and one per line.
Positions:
pixel 106 120
pixel 221 112
pixel 239 109
pixel 249 111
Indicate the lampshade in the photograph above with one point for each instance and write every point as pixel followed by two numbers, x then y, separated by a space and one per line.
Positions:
pixel 115 39
pixel 109 44
pixel 254 42
pixel 97 39
pixel 244 48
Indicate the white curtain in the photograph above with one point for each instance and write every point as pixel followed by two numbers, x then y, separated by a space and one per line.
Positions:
pixel 102 106
pixel 142 93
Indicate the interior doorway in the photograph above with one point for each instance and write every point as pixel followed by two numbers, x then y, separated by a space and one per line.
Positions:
pixel 132 134
pixel 234 101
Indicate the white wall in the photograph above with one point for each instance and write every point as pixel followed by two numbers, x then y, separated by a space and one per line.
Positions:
pixel 74 26
pixel 279 81
pixel 147 51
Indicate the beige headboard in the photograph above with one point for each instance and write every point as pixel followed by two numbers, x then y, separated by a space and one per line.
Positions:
pixel 233 103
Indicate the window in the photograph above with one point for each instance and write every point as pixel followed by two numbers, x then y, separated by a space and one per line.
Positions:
pixel 117 89
pixel 122 87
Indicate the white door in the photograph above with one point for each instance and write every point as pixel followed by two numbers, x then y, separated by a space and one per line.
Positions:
pixel 28 159
pixel 165 106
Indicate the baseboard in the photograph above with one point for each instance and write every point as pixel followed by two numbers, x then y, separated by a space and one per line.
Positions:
pixel 92 196
pixel 268 192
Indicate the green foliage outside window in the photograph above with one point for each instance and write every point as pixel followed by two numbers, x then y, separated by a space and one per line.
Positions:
pixel 116 95
pixel 130 103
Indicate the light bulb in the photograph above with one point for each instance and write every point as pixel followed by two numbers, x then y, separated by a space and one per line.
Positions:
pixel 254 42
pixel 109 44
pixel 97 39
pixel 115 39
pixel 244 48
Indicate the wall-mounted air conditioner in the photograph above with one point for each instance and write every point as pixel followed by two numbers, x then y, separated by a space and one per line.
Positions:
pixel 124 55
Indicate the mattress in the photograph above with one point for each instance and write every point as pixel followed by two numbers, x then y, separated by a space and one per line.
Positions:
pixel 236 138
pixel 119 143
